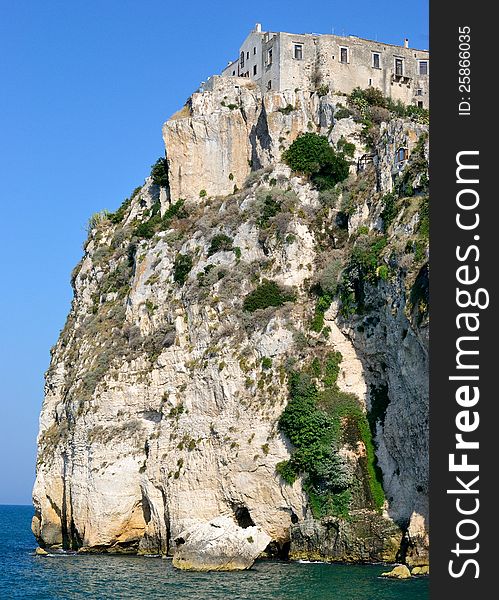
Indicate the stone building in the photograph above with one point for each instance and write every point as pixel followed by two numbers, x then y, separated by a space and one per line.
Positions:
pixel 287 61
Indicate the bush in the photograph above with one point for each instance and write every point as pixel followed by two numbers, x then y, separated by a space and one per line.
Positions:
pixel 323 303
pixel 308 153
pixel 389 211
pixel 147 229
pixel 181 268
pixel 268 293
pixel 342 113
pixel 318 424
pixel 289 108
pixel 287 471
pixel 119 215
pixel 219 243
pixel 312 155
pixel 362 268
pixel 270 208
pixel 159 172
pixel 371 96
pixel 266 362
pixel 347 148
pixel 323 89
pixel 202 193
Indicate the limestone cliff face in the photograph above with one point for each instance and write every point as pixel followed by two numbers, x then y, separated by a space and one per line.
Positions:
pixel 164 394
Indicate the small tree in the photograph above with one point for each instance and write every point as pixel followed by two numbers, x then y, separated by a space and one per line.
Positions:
pixel 312 155
pixel 159 172
pixel 181 268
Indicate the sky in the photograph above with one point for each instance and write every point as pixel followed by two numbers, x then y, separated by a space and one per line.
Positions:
pixel 85 86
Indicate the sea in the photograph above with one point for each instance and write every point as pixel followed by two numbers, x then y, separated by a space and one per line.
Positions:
pixel 23 574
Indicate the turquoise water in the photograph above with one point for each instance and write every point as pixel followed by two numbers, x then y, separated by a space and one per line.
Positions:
pixel 24 575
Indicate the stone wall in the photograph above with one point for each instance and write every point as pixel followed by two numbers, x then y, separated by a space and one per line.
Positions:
pixel 321 64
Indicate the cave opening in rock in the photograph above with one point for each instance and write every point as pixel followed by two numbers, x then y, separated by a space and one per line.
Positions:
pixel 243 516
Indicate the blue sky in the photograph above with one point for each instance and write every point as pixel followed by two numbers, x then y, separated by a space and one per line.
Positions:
pixel 85 86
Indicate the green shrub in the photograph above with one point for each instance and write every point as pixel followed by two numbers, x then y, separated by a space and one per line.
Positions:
pixel 202 194
pixel 181 268
pixel 270 208
pixel 321 306
pixel 159 172
pixel 342 113
pixel 289 108
pixel 347 148
pixel 323 89
pixel 361 269
pixel 286 471
pixel 372 96
pixel 268 293
pixel 119 215
pixel 389 211
pixel 220 242
pixel 332 369
pixel 312 155
pixel 266 362
pixel 147 229
pixel 318 424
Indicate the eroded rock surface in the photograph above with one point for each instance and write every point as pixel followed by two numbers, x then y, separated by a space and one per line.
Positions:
pixel 163 397
pixel 219 545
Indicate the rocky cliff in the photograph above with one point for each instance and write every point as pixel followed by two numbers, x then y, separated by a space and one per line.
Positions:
pixel 223 308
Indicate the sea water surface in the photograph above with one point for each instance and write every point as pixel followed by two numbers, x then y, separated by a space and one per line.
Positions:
pixel 25 575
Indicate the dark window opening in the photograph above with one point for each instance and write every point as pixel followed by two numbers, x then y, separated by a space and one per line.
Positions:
pixel 269 57
pixel 233 73
pixel 419 92
pixel 423 67
pixel 399 67
pixel 254 50
pixel 402 154
pixel 376 61
pixel 299 51
pixel 269 85
pixel 420 104
pixel 247 55
pixel 344 55
pixel 242 59
pixel 254 69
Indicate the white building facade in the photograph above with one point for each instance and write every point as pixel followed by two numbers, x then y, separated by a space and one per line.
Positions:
pixel 287 61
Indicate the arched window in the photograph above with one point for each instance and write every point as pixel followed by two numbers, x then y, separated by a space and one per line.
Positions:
pixel 402 155
pixel 242 60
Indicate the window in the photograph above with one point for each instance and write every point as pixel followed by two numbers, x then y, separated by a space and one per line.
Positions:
pixel 420 104
pixel 254 50
pixel 376 60
pixel 399 67
pixel 343 54
pixel 269 85
pixel 247 55
pixel 254 69
pixel 423 67
pixel 269 57
pixel 419 92
pixel 298 51
pixel 370 82
pixel 242 59
pixel 233 73
pixel 401 155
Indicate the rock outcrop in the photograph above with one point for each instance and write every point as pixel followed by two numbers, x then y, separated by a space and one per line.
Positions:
pixel 219 545
pixel 398 572
pixel 164 393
